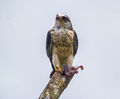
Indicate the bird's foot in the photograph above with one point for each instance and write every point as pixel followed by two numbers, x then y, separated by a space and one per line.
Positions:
pixel 59 69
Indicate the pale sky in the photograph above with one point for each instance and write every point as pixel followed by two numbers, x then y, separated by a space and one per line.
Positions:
pixel 24 65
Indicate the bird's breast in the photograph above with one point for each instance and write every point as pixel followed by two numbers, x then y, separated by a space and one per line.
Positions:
pixel 63 42
pixel 64 51
pixel 63 38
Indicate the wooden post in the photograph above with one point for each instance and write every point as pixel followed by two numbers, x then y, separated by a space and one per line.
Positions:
pixel 57 84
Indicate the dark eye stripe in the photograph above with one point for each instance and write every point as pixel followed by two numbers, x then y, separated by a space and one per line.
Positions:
pixel 65 19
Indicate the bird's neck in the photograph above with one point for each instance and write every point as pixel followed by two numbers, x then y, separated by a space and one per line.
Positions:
pixel 64 26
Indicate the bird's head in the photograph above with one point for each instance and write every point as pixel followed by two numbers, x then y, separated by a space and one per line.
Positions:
pixel 63 21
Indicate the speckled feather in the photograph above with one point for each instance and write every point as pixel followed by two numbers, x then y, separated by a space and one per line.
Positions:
pixel 65 44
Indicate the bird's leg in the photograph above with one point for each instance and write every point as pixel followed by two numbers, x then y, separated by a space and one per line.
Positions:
pixel 68 70
pixel 58 68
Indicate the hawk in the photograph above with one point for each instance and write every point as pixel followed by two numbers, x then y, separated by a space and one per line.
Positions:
pixel 61 43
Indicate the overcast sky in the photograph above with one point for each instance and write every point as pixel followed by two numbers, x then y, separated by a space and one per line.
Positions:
pixel 24 65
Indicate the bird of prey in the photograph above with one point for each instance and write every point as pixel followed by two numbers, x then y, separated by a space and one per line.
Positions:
pixel 61 43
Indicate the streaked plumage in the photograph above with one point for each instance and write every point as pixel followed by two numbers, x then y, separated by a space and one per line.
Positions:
pixel 62 42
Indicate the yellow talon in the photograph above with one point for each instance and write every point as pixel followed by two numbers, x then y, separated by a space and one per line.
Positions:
pixel 58 68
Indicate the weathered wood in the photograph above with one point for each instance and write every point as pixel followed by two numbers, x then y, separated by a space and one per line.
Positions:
pixel 59 82
pixel 56 86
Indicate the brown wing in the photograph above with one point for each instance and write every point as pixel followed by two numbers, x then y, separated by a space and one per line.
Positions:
pixel 49 47
pixel 75 44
